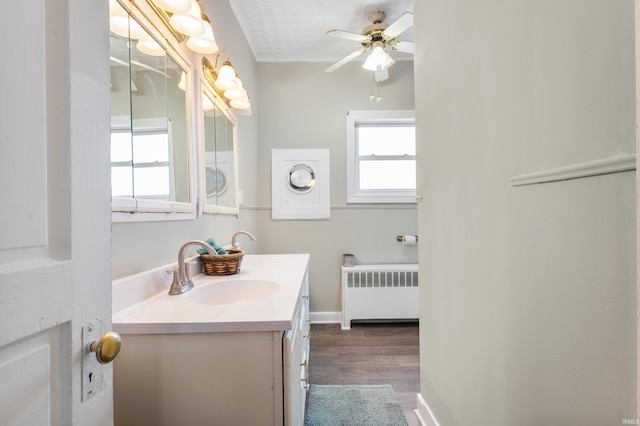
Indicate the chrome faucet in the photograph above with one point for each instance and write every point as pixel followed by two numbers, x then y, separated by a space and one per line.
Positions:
pixel 181 275
pixel 234 244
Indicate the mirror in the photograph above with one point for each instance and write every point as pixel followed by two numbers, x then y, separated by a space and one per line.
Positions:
pixel 219 136
pixel 149 138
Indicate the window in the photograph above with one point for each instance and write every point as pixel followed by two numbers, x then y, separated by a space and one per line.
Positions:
pixel 381 164
pixel 140 164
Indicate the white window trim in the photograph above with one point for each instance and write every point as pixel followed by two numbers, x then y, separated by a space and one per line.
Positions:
pixel 368 196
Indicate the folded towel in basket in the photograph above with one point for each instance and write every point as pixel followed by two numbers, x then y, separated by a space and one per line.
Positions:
pixel 219 249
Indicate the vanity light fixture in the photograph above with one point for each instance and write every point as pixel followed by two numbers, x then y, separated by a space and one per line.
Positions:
pixel 182 84
pixel 241 104
pixel 174 6
pixel 195 26
pixel 234 94
pixel 149 46
pixel 227 84
pixel 207 105
pixel 120 24
pixel 189 23
pixel 226 79
pixel 205 43
pixel 184 18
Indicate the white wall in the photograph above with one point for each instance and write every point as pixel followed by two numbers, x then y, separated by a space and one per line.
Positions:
pixel 303 107
pixel 141 246
pixel 528 296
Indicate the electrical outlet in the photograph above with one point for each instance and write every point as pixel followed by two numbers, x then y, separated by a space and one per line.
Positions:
pixel 92 379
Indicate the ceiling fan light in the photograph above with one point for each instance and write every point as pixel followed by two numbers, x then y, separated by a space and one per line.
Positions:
pixel 189 23
pixel 378 54
pixel 381 75
pixel 376 58
pixel 206 43
pixel 174 6
pixel 369 64
pixel 388 61
pixel 227 77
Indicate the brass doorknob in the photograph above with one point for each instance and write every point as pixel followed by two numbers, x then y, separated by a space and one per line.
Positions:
pixel 107 348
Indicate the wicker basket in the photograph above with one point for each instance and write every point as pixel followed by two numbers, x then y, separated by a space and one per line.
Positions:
pixel 223 264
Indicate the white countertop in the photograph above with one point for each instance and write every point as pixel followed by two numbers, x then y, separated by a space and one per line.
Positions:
pixel 164 314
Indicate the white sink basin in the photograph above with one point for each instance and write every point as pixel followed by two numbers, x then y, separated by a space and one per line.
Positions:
pixel 233 292
pixel 262 297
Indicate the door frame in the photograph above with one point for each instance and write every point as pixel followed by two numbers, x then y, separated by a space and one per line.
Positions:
pixel 637 64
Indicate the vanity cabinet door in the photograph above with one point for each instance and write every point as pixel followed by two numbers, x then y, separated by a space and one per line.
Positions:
pixel 292 347
pixel 295 358
pixel 232 378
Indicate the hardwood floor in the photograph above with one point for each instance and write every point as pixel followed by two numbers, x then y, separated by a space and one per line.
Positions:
pixel 368 354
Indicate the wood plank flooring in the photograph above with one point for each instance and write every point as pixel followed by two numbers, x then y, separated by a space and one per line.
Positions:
pixel 368 354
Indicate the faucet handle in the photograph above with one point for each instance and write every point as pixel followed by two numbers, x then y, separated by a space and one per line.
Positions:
pixel 176 287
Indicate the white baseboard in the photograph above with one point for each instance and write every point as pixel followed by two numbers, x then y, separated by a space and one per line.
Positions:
pixel 424 413
pixel 325 317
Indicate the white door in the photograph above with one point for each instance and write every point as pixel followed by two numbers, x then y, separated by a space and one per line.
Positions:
pixel 55 272
pixel 637 3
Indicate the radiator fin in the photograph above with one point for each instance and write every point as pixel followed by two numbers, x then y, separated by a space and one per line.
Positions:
pixel 368 279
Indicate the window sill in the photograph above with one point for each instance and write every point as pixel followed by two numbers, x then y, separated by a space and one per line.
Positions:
pixel 135 210
pixel 382 200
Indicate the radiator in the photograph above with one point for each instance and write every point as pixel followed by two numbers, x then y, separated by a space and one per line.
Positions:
pixel 379 292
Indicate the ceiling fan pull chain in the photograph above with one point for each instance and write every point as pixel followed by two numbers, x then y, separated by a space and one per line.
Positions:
pixel 374 98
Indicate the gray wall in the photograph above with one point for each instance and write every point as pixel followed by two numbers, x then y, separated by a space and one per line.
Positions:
pixel 303 107
pixel 141 246
pixel 528 297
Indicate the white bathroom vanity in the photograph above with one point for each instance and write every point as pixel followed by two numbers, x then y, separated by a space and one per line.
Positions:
pixel 232 351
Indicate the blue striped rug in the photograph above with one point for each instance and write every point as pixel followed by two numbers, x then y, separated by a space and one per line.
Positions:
pixel 333 405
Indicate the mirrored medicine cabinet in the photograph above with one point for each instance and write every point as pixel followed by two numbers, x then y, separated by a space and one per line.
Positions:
pixel 155 141
pixel 219 140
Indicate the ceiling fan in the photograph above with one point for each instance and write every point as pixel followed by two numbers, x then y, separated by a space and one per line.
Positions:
pixel 379 38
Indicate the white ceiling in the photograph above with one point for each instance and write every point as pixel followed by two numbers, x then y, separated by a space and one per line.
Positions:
pixel 294 30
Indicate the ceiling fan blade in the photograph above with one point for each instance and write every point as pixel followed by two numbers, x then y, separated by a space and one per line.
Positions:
pixel 399 26
pixel 405 46
pixel 344 60
pixel 347 35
